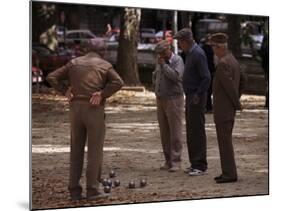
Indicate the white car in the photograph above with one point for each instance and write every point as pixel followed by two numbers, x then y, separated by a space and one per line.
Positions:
pixel 147 35
pixel 81 36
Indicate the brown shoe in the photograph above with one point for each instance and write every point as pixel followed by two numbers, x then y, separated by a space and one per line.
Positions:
pixel 98 196
pixel 93 194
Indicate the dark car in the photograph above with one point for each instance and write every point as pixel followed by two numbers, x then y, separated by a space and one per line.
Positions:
pixel 50 60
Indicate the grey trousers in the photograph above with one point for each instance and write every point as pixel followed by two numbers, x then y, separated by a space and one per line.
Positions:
pixel 224 136
pixel 87 123
pixel 169 114
pixel 195 132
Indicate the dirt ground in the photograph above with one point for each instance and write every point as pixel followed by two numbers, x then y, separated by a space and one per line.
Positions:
pixel 132 148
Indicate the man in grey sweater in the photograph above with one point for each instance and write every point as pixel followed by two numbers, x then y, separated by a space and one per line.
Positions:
pixel 167 79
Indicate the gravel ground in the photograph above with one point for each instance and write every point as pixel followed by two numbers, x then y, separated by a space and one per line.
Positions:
pixel 132 148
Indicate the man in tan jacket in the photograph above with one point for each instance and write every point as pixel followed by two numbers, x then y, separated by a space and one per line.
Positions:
pixel 91 80
pixel 227 87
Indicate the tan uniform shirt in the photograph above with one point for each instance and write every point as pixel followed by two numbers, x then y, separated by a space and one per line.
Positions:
pixel 227 87
pixel 86 75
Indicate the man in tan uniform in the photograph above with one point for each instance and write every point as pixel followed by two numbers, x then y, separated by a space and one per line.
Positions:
pixel 227 86
pixel 91 80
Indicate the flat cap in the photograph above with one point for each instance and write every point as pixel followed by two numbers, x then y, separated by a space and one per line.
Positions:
pixel 162 46
pixel 218 38
pixel 184 33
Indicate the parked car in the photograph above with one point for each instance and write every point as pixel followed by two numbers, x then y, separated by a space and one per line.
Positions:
pixel 61 30
pixel 252 31
pixel 49 60
pixel 147 35
pixel 112 35
pixel 209 26
pixel 37 74
pixel 78 36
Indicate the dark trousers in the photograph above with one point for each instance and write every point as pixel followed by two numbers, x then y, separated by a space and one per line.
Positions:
pixel 195 132
pixel 224 135
pixel 87 124
pixel 209 106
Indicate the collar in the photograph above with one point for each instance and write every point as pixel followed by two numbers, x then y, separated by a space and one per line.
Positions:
pixel 172 57
pixel 93 54
pixel 226 54
pixel 192 48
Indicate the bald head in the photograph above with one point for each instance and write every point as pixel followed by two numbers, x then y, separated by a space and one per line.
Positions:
pixel 97 45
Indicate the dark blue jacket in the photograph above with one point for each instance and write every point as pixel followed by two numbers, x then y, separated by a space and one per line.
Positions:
pixel 196 76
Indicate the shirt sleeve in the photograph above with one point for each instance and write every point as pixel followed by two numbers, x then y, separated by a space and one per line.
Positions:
pixel 204 74
pixel 56 77
pixel 228 84
pixel 113 83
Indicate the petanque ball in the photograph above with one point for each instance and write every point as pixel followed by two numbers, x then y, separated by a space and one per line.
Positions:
pixel 117 183
pixel 112 174
pixel 132 184
pixel 107 189
pixel 109 183
pixel 104 182
pixel 143 182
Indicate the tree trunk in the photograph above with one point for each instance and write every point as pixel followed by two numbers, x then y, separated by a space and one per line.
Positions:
pixel 234 34
pixel 127 64
pixel 44 15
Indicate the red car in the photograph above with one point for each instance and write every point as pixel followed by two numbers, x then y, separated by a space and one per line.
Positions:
pixel 37 74
pixel 50 60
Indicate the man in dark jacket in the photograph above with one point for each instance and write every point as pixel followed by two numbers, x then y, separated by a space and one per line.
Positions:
pixel 196 80
pixel 91 80
pixel 205 43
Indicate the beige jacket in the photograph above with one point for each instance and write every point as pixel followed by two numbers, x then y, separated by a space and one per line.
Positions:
pixel 86 75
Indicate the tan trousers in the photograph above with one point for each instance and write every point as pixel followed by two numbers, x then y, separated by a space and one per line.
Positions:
pixel 224 135
pixel 87 123
pixel 169 113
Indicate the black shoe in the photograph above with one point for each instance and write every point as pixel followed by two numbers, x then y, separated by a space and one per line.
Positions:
pixel 226 180
pixel 218 177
